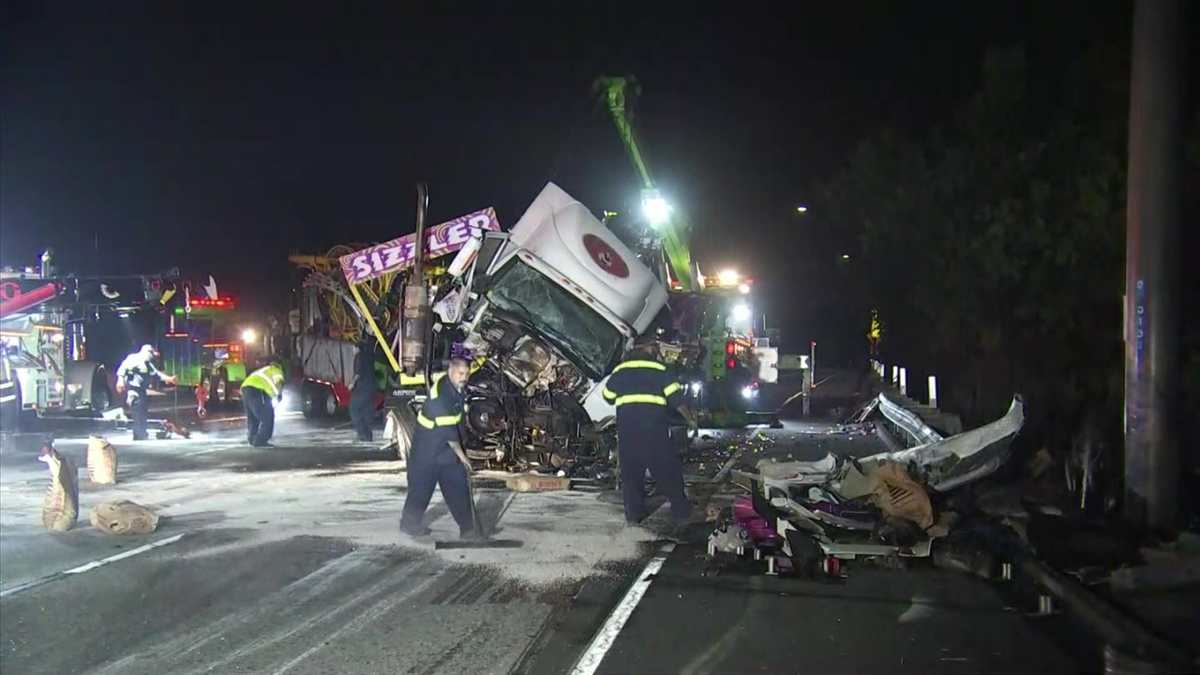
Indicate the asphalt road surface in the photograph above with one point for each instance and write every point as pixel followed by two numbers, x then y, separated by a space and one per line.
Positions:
pixel 287 560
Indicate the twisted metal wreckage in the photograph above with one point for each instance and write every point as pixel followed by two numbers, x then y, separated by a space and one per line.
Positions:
pixel 807 515
pixel 544 312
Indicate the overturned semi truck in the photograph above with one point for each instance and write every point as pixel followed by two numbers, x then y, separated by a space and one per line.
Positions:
pixel 545 311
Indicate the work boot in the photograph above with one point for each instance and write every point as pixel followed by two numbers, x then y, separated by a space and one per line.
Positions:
pixel 470 534
pixel 419 531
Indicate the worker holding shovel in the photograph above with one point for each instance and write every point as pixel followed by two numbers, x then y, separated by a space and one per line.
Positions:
pixel 437 457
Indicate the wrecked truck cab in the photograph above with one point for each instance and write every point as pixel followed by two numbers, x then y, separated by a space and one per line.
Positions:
pixel 555 304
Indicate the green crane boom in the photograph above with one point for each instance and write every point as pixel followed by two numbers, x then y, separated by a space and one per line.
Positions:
pixel 669 222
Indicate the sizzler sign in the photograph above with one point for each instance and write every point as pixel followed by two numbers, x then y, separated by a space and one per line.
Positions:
pixel 399 254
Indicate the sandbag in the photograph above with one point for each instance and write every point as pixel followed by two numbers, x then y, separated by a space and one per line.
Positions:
pixel 60 509
pixel 899 496
pixel 101 461
pixel 123 517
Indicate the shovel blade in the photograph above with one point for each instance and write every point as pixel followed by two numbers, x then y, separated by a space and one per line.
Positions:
pixel 483 543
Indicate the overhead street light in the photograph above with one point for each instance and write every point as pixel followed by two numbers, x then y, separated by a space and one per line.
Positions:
pixel 801 209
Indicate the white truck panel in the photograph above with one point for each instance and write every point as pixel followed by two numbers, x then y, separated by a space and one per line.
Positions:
pixel 326 359
pixel 594 404
pixel 563 233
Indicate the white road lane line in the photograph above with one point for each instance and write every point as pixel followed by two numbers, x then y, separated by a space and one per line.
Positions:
pixel 91 566
pixel 603 641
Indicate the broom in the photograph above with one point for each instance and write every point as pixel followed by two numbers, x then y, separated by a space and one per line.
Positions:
pixel 481 540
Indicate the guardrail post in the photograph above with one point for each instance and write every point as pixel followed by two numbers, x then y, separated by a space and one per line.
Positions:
pixel 903 382
pixel 807 390
pixel 932 391
pixel 895 375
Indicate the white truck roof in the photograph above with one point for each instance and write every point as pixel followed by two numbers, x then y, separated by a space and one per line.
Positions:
pixel 591 261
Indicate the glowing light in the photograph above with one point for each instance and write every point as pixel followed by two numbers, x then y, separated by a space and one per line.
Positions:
pixel 249 335
pixel 744 288
pixel 741 313
pixel 728 277
pixel 656 209
pixel 801 209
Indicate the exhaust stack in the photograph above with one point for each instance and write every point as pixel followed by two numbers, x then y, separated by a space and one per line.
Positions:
pixel 414 330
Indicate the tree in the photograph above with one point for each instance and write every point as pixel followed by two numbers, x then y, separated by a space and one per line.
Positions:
pixel 994 247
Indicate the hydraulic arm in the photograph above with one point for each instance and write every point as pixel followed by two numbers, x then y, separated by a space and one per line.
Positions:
pixel 668 222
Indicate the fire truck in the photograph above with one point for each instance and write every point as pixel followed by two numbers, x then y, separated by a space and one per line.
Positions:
pixel 44 368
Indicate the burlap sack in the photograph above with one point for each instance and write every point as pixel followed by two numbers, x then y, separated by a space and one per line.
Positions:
pixel 123 517
pixel 101 461
pixel 60 509
pixel 899 496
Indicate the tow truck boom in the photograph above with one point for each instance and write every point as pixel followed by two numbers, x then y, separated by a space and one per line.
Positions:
pixel 670 222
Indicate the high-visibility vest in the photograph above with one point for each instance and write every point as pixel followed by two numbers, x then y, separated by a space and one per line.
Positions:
pixel 268 379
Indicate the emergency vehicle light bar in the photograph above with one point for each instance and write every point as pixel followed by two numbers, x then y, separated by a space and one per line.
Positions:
pixel 226 302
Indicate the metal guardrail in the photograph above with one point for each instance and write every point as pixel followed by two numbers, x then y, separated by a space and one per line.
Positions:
pixel 908 421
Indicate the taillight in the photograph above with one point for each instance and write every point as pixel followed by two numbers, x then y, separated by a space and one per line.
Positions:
pixel 731 364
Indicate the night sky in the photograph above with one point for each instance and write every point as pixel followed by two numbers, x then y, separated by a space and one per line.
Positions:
pixel 220 136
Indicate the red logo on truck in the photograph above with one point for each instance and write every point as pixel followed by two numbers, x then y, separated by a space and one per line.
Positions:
pixel 605 256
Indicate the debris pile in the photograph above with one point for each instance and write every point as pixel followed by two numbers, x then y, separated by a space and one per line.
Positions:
pixel 60 509
pixel 123 517
pixel 101 461
pixel 802 513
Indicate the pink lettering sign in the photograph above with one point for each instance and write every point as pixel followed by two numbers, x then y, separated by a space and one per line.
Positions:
pixel 399 254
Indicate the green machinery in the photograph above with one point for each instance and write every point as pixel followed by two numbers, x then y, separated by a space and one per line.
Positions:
pixel 714 343
pixel 208 347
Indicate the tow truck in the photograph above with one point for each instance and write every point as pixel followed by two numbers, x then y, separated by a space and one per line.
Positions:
pixel 710 336
pixel 45 368
pixel 211 348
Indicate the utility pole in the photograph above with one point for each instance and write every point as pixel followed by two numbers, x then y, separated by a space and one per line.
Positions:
pixel 1152 267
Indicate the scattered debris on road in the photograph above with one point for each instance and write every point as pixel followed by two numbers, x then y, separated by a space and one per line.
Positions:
pixel 101 461
pixel 123 517
pixel 60 509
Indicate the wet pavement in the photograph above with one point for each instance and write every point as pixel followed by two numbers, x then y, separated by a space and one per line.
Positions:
pixel 286 560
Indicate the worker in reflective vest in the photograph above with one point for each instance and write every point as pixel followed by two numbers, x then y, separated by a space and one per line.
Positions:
pixel 437 458
pixel 262 390
pixel 133 381
pixel 644 394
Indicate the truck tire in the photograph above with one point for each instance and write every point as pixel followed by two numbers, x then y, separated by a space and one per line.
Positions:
pixel 219 395
pixel 313 400
pixel 406 427
pixel 102 396
pixel 10 410
pixel 12 418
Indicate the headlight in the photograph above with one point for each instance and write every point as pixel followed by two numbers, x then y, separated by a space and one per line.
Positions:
pixel 696 387
pixel 749 392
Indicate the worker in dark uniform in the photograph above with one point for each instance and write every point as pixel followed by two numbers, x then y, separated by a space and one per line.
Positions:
pixel 438 458
pixel 362 391
pixel 644 393
pixel 262 390
pixel 133 380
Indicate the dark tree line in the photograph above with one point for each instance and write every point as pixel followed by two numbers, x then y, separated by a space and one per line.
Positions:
pixel 994 248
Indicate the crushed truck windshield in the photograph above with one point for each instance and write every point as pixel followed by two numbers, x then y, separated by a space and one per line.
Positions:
pixel 581 333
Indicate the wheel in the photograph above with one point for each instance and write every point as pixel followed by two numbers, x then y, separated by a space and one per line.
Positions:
pixel 220 391
pixel 402 424
pixel 330 402
pixel 310 401
pixel 101 399
pixel 10 408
